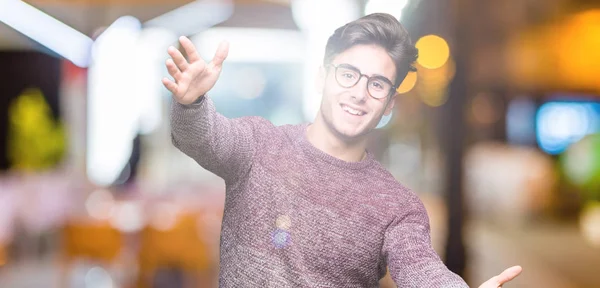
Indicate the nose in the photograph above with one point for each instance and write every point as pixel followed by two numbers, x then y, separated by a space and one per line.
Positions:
pixel 359 91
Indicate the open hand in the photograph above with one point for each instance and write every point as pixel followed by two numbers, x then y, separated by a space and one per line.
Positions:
pixel 192 78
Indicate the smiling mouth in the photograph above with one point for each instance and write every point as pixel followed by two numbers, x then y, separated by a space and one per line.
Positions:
pixel 352 111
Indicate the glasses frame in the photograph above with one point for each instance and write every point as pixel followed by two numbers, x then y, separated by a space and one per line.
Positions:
pixel 361 75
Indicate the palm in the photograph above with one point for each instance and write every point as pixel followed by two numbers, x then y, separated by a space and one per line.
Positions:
pixel 504 277
pixel 192 78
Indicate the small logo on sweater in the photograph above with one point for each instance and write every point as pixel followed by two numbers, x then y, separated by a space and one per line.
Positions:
pixel 281 237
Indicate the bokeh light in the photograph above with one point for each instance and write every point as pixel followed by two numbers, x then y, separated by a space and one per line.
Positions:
pixel 283 222
pixel 434 97
pixel 576 47
pixel 97 277
pixel 432 84
pixel 581 165
pixel 559 124
pixel 281 238
pixel 434 51
pixel 408 83
pixel 520 121
pixel 393 7
pixel 590 223
pixel 568 45
pixel 483 109
pixel 164 217
pixel 128 217
pixel 100 204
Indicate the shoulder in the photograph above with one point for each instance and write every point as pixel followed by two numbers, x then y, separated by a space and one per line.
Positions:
pixel 264 131
pixel 287 133
pixel 399 199
pixel 387 181
pixel 259 126
pixel 292 131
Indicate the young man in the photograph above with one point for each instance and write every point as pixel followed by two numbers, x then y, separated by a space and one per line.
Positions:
pixel 307 205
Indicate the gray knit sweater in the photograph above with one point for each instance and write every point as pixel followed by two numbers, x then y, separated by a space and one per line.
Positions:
pixel 298 217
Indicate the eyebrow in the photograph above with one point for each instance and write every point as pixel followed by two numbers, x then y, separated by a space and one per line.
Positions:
pixel 346 65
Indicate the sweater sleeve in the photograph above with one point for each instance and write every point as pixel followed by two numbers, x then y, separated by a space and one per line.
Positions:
pixel 410 257
pixel 223 146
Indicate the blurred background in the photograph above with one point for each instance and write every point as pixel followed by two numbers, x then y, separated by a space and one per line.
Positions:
pixel 498 132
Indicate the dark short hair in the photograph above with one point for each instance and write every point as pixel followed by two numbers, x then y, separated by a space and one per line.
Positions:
pixel 380 29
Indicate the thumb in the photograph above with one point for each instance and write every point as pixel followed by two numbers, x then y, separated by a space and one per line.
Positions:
pixel 221 54
pixel 504 277
pixel 509 274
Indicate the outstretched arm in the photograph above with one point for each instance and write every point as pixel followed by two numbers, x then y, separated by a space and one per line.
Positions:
pixel 411 259
pixel 221 145
pixel 413 262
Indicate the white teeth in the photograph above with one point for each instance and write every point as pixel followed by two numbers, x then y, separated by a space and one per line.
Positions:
pixel 352 111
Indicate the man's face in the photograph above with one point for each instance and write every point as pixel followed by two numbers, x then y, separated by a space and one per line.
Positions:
pixel 352 112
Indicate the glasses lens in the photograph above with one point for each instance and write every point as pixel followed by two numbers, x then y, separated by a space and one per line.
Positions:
pixel 379 88
pixel 346 77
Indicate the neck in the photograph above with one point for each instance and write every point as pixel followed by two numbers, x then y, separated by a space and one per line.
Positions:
pixel 321 136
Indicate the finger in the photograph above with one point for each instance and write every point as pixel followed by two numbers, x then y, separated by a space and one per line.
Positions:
pixel 178 58
pixel 508 275
pixel 221 54
pixel 190 49
pixel 173 70
pixel 170 85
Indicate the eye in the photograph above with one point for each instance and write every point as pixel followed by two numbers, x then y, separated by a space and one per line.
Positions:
pixel 378 85
pixel 348 75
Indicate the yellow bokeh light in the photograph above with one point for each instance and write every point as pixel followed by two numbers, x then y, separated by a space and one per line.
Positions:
pixel 408 83
pixel 432 85
pixel 569 45
pixel 576 50
pixel 433 51
pixel 434 97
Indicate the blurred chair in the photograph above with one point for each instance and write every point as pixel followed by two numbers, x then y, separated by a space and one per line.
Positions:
pixel 3 256
pixel 174 251
pixel 94 241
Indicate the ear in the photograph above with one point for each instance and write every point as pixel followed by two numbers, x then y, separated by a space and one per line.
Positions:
pixel 320 80
pixel 390 105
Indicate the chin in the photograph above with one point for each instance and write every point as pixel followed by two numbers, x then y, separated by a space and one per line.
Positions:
pixel 347 129
pixel 350 133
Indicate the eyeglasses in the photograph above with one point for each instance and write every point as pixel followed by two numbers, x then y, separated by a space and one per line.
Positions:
pixel 348 76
